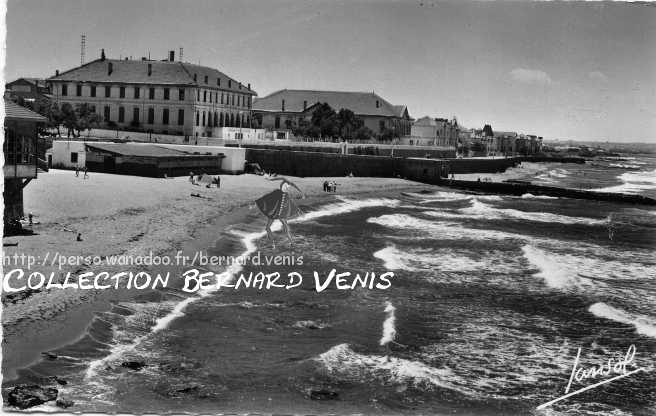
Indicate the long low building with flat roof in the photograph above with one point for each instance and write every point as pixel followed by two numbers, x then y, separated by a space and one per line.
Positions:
pixel 168 97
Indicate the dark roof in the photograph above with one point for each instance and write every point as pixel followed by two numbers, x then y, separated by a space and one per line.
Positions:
pixel 14 111
pixel 361 103
pixel 163 72
pixel 130 149
pixel 38 82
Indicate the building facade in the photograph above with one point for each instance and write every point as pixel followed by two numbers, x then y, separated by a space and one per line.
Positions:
pixel 281 110
pixel 440 132
pixel 167 97
pixel 28 89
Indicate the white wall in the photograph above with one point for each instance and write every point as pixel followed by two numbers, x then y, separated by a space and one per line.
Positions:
pixel 234 161
pixel 61 153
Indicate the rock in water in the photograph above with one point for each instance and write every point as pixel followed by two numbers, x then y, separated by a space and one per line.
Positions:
pixel 64 403
pixel 25 396
pixel 323 394
pixel 134 365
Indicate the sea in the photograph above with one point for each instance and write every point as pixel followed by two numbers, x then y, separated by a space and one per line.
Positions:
pixel 491 301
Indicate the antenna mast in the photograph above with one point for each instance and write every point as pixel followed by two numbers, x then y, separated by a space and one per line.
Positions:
pixel 83 47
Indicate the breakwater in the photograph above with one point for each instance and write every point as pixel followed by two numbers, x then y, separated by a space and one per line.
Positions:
pixel 507 188
pixel 429 171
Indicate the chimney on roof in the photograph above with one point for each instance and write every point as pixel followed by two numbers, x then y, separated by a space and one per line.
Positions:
pixel 102 54
pixel 56 72
pixel 110 68
pixel 283 105
pixel 249 85
pixel 150 69
pixel 171 56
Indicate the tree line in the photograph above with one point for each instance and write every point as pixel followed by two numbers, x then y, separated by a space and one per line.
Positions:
pixel 326 123
pixel 74 119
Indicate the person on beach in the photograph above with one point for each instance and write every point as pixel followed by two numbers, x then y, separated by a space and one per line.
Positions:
pixel 278 205
pixel 86 173
pixel 77 171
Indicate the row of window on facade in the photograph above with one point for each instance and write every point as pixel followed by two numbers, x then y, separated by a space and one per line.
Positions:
pixel 213 96
pixel 217 119
pixel 208 119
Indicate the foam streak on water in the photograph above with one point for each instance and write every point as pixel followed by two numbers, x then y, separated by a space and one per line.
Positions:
pixel 389 326
pixel 644 325
pixel 633 182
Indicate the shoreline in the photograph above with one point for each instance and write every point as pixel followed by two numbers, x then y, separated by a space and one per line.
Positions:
pixel 52 319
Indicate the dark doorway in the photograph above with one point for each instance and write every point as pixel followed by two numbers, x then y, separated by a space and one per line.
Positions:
pixel 109 164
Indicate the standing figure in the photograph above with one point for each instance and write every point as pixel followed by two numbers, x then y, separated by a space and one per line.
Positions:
pixel 77 171
pixel 86 174
pixel 278 205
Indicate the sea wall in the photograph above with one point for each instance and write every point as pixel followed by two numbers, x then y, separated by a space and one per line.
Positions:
pixel 357 149
pixel 296 163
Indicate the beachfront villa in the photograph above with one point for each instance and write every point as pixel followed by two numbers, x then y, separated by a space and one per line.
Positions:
pixel 20 153
pixel 167 97
pixel 278 111
pixel 428 131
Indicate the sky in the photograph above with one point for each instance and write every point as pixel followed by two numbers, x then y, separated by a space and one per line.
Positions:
pixel 580 71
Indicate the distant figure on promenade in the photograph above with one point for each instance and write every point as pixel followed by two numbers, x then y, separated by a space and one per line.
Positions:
pixel 79 237
pixel 325 186
pixel 77 171
pixel 191 178
pixel 86 173
pixel 30 216
pixel 278 205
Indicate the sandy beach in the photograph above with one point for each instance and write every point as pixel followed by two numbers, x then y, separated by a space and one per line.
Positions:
pixel 123 215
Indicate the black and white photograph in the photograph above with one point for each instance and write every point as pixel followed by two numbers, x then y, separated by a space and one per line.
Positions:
pixel 329 207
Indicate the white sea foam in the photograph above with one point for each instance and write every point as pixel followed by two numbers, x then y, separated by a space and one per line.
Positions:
pixel 633 182
pixel 644 325
pixel 554 273
pixel 624 166
pixel 394 259
pixel 531 196
pixel 554 173
pixel 439 196
pixel 480 210
pixel 448 260
pixel 347 365
pixel 389 326
pixel 440 229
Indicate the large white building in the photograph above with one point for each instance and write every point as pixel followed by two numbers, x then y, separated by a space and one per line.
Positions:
pixel 160 96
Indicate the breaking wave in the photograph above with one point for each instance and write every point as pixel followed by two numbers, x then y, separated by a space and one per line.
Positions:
pixel 633 182
pixel 389 326
pixel 644 325
pixel 346 365
pixel 480 210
